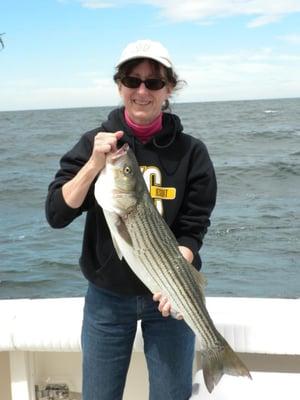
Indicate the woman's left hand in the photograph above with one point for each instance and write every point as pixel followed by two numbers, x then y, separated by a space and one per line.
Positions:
pixel 165 306
pixel 187 253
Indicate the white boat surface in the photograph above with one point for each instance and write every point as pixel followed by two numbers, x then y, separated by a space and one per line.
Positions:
pixel 40 343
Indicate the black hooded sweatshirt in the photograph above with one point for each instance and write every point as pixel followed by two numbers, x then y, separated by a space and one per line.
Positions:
pixel 179 170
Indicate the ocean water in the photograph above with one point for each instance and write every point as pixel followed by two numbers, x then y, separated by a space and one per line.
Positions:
pixel 253 245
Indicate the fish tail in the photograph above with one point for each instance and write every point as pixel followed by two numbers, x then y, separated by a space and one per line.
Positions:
pixel 216 363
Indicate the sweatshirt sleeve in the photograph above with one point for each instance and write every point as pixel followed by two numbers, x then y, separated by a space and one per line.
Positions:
pixel 58 213
pixel 199 200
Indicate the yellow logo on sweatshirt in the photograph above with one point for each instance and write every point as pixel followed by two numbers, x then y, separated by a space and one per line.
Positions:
pixel 163 193
pixel 153 179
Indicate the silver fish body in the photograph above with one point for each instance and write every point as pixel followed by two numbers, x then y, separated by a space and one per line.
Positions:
pixel 143 238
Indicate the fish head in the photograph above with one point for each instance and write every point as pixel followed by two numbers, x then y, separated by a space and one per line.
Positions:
pixel 120 184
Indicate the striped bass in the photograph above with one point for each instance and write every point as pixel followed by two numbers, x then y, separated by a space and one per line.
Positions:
pixel 143 238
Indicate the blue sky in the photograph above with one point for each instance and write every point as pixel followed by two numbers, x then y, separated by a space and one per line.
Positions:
pixel 61 53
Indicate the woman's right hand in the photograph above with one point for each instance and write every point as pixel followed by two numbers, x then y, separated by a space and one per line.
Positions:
pixel 75 190
pixel 104 143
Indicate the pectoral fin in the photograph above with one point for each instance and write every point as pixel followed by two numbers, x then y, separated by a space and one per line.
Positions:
pixel 118 231
pixel 123 232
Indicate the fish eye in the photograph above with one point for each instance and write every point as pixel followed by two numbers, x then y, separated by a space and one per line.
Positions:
pixel 127 170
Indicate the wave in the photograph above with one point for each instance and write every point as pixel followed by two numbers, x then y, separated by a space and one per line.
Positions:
pixel 274 134
pixel 279 169
pixel 271 111
pixel 220 230
pixel 29 161
pixel 284 169
pixel 41 288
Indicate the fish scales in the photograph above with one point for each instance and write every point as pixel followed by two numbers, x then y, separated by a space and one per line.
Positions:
pixel 151 237
pixel 147 257
pixel 157 232
pixel 151 250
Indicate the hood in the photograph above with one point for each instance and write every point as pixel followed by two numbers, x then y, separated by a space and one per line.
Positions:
pixel 163 143
pixel 171 128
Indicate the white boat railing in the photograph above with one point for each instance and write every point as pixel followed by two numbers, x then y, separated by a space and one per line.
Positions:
pixel 38 333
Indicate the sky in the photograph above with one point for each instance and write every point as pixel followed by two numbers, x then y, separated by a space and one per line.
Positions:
pixel 62 53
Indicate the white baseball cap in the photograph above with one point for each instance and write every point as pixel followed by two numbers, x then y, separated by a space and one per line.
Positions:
pixel 146 49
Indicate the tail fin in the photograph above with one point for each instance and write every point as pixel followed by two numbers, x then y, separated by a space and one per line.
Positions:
pixel 219 362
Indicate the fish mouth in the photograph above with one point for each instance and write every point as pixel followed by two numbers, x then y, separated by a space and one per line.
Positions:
pixel 121 152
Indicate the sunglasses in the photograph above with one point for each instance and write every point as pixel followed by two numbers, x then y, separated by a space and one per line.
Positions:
pixel 132 82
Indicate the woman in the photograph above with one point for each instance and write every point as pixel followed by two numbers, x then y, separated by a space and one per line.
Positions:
pixel 181 179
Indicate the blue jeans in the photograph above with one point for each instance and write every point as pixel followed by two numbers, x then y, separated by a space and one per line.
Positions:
pixel 109 327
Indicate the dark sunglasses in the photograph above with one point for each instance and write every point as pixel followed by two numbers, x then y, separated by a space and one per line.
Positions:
pixel 152 84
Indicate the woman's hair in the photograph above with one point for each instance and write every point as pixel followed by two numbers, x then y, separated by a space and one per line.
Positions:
pixel 169 74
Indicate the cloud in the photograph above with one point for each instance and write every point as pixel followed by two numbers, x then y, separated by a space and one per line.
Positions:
pixel 240 75
pixel 31 95
pixel 95 4
pixel 98 4
pixel 262 12
pixel 291 39
pixel 263 20
pixel 256 74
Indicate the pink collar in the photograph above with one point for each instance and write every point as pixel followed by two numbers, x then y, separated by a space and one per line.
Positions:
pixel 144 132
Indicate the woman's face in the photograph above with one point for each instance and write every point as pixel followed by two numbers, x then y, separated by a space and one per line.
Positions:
pixel 144 105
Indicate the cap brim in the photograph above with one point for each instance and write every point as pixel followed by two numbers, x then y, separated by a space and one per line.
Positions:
pixel 162 61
